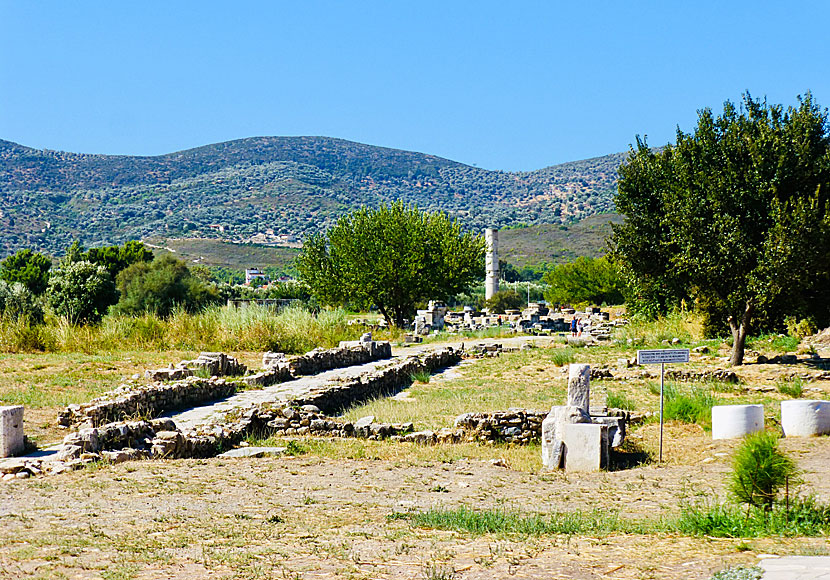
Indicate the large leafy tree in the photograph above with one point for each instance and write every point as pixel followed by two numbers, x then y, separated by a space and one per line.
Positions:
pixel 161 286
pixel 392 257
pixel 734 215
pixel 27 267
pixel 594 280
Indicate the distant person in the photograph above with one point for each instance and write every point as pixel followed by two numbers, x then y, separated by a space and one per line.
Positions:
pixel 573 326
pixel 579 327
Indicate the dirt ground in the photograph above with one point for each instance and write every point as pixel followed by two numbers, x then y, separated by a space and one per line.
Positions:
pixel 317 517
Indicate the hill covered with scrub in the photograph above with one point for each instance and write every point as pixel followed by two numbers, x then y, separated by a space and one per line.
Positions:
pixel 270 190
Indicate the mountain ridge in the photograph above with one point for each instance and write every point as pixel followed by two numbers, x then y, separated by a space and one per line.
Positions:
pixel 269 188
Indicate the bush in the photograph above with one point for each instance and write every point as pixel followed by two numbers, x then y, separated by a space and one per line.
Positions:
pixel 29 268
pixel 585 280
pixel 799 329
pixel 19 302
pixel 619 401
pixel 81 292
pixel 160 286
pixel 504 300
pixel 759 470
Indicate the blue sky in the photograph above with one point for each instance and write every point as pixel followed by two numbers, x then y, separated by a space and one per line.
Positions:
pixel 503 85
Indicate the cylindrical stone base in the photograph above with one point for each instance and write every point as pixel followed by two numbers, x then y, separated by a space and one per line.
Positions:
pixel 803 418
pixel 733 421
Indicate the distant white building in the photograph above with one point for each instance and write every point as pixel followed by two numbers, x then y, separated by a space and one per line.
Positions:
pixel 252 273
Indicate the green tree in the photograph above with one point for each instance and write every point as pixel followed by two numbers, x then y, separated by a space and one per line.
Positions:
pixel 392 257
pixel 27 267
pixel 594 280
pixel 81 291
pixel 117 258
pixel 734 215
pixel 160 286
pixel 504 300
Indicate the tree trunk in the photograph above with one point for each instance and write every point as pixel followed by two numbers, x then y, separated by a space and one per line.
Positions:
pixel 740 328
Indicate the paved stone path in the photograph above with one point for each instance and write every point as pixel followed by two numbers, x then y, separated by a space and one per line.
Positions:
pixel 297 388
pixel 796 568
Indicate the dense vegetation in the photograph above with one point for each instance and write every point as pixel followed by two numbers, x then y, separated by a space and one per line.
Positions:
pixel 290 185
pixel 734 216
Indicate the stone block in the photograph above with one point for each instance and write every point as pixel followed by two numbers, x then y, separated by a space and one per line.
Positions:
pixel 11 431
pixel 579 386
pixel 585 447
pixel 552 432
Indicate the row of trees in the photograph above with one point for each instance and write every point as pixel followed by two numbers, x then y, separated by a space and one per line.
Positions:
pixel 85 285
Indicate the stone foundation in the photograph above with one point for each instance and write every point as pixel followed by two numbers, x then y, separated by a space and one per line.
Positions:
pixel 12 441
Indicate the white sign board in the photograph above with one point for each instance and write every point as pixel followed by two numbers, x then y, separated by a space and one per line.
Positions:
pixel 663 355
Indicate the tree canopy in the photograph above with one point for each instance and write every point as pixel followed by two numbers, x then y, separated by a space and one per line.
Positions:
pixel 27 267
pixel 584 280
pixel 734 215
pixel 160 286
pixel 392 257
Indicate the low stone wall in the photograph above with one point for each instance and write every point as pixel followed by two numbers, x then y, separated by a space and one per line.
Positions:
pixel 339 395
pixel 131 401
pixel 520 426
pixel 318 361
pixel 686 375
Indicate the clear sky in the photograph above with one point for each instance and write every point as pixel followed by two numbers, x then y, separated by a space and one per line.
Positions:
pixel 501 84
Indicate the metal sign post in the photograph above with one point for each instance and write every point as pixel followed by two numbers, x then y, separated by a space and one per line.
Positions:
pixel 661 357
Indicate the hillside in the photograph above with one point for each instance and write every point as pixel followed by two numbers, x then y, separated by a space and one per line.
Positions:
pixel 261 188
pixel 552 244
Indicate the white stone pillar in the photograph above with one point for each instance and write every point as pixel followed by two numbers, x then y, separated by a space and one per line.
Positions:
pixel 491 262
pixel 11 431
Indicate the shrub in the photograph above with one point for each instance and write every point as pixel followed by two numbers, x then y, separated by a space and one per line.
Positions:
pixel 17 301
pixel 160 286
pixel 504 300
pixel 585 280
pixel 759 470
pixel 563 356
pixel 81 292
pixel 793 388
pixel 27 267
pixel 799 328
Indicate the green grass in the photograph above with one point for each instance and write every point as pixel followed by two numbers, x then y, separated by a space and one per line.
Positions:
pixel 520 379
pixel 618 400
pixel 563 356
pixel 793 388
pixel 773 342
pixel 506 522
pixel 685 403
pixel 805 517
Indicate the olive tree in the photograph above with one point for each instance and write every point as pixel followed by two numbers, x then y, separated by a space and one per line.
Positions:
pixel 391 257
pixel 81 291
pixel 734 216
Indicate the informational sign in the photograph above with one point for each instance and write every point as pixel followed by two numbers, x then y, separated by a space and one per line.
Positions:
pixel 663 356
